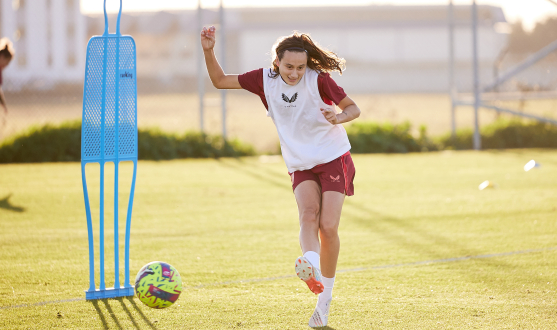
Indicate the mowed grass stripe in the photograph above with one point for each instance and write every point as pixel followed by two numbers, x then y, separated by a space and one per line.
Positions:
pixel 274 278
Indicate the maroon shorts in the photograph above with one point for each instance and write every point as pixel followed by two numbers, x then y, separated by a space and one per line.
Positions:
pixel 336 175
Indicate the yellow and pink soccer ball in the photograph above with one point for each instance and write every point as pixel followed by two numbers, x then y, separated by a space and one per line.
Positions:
pixel 158 285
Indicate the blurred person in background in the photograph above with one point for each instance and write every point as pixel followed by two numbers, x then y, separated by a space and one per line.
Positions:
pixel 299 93
pixel 6 55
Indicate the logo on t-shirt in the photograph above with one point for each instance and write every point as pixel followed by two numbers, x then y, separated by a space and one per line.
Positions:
pixel 290 100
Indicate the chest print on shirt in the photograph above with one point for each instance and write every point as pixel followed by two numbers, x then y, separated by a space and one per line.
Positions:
pixel 289 100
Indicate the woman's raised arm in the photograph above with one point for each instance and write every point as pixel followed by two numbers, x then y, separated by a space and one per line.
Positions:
pixel 219 79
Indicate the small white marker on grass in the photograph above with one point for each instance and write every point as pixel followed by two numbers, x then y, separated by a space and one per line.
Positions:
pixel 530 165
pixel 487 184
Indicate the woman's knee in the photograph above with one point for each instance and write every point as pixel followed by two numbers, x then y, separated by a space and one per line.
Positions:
pixel 309 216
pixel 328 230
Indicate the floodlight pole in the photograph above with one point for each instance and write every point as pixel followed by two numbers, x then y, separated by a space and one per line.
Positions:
pixel 200 68
pixel 452 87
pixel 528 62
pixel 477 138
pixel 477 103
pixel 222 63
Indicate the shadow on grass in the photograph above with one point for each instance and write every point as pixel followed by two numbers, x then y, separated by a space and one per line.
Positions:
pixel 125 308
pixel 262 174
pixel 265 175
pixel 524 154
pixel 101 315
pixel 256 173
pixel 396 230
pixel 111 313
pixel 6 205
pixel 145 319
pixel 393 228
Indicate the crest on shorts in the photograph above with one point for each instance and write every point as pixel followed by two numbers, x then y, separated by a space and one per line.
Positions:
pixel 333 179
pixel 289 100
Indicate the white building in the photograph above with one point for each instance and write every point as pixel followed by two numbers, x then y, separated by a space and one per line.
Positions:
pixel 387 48
pixel 49 37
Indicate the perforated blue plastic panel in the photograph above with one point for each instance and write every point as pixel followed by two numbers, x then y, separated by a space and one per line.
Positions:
pixel 109 134
pixel 96 100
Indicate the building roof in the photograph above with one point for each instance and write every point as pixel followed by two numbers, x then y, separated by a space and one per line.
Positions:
pixel 302 17
pixel 369 15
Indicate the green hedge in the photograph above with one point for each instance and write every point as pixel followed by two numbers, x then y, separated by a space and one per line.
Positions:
pixel 60 143
pixel 370 137
pixel 505 134
pixel 51 143
pixel 155 145
pixel 48 143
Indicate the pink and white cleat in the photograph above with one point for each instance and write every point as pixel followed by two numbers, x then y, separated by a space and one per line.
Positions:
pixel 309 274
pixel 320 317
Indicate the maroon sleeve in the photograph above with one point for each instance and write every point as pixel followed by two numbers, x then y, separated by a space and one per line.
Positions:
pixel 329 90
pixel 253 81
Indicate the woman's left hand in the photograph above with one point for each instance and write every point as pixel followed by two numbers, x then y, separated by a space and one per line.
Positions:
pixel 330 115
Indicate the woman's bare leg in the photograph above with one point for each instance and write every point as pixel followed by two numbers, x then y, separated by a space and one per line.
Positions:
pixel 308 197
pixel 331 208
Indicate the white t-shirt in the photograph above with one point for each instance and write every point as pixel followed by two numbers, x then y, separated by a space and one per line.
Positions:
pixel 306 138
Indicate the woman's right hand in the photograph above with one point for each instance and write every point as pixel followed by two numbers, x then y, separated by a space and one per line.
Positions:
pixel 208 38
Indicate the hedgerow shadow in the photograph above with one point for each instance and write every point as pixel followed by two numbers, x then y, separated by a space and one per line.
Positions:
pixel 390 226
pixel 7 205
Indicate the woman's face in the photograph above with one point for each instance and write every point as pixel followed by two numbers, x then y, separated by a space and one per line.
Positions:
pixel 292 66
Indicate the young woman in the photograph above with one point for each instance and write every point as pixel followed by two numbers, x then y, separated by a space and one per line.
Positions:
pixel 6 54
pixel 298 93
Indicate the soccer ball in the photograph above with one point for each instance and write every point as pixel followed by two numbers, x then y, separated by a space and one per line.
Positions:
pixel 158 284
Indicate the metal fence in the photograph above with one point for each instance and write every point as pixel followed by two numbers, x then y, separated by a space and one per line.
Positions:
pixel 169 99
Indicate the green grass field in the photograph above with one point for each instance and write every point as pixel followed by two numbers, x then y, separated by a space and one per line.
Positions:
pixel 230 227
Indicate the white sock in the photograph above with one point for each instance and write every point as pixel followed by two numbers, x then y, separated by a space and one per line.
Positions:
pixel 327 293
pixel 313 257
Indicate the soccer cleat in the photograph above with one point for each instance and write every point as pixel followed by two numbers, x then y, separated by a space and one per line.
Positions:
pixel 320 317
pixel 309 274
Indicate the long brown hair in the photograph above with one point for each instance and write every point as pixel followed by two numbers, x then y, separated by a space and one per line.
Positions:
pixel 6 48
pixel 319 59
